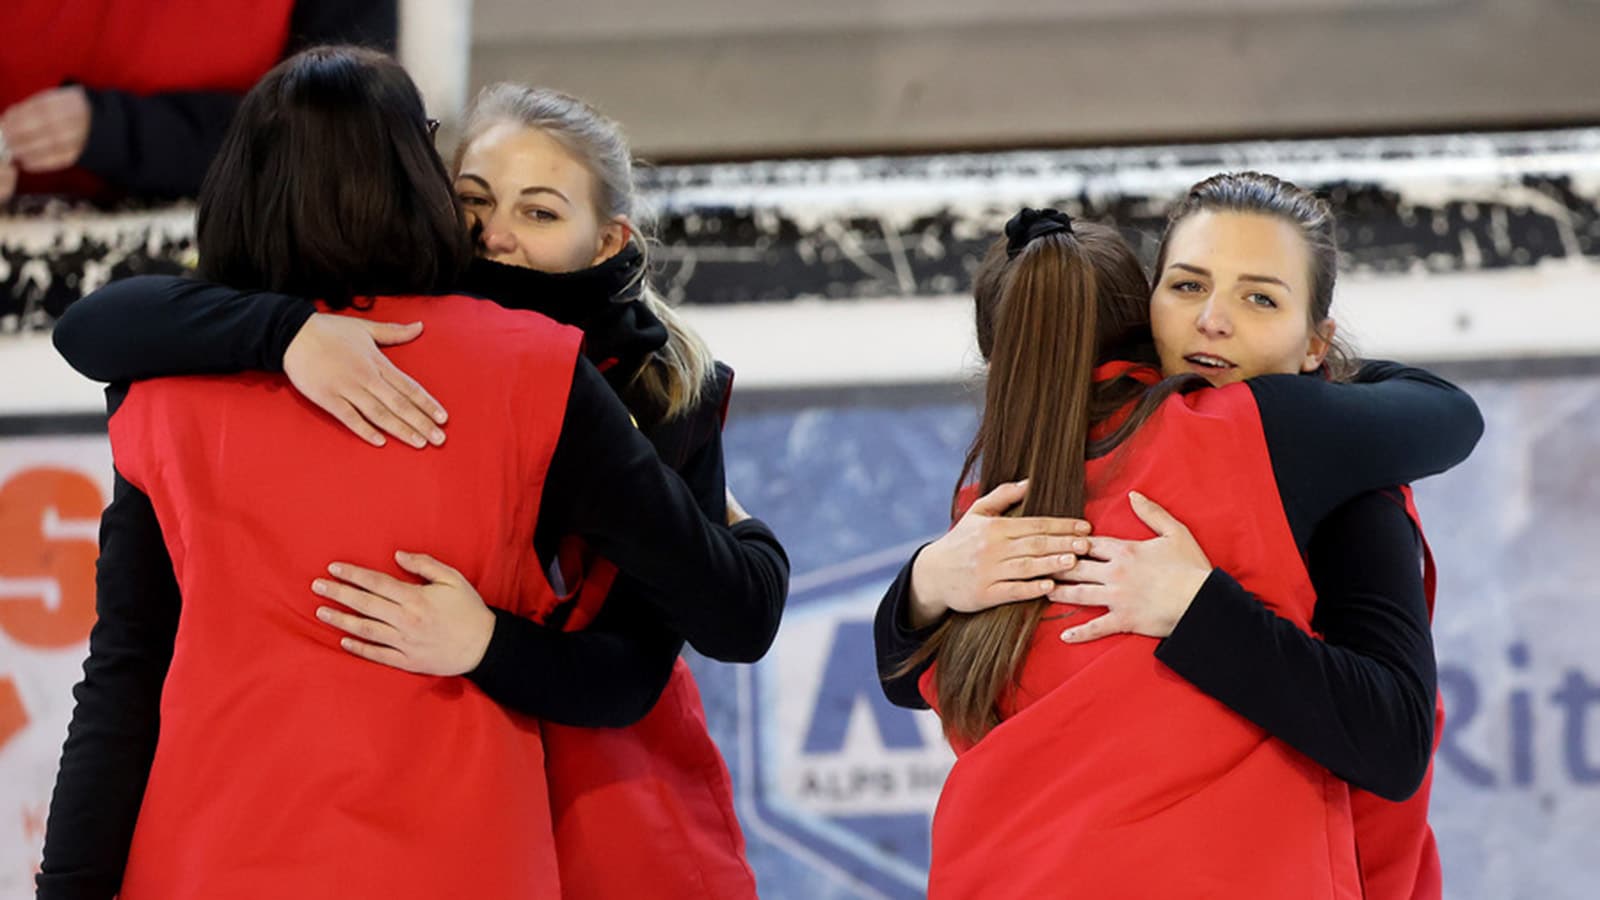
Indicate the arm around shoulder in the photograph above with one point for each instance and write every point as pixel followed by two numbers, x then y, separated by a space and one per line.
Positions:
pixel 1330 442
pixel 154 325
pixel 606 484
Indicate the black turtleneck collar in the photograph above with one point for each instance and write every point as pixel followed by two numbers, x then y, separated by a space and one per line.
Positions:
pixel 620 332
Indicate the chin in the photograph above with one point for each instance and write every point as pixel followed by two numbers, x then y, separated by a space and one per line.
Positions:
pixel 507 260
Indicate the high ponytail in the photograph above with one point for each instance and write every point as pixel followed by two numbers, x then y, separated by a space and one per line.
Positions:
pixel 1049 309
pixel 1035 425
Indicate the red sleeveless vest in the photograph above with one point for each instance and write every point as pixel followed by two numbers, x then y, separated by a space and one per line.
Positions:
pixel 1399 857
pixel 287 767
pixel 1112 777
pixel 659 786
pixel 647 810
pixel 135 45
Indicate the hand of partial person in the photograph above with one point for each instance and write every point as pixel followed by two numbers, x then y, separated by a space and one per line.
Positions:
pixel 1145 586
pixel 47 131
pixel 736 513
pixel 988 559
pixel 334 361
pixel 8 181
pixel 441 627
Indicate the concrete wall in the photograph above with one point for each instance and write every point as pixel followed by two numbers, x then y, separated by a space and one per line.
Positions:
pixel 710 78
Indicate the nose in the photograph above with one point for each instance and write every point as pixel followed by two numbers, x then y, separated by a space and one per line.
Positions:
pixel 497 237
pixel 1212 321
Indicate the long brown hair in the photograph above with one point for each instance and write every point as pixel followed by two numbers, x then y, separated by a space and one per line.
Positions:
pixel 1047 315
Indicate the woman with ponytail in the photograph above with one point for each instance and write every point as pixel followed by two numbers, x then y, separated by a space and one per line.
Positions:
pixel 546 183
pixel 1082 761
pixel 1080 283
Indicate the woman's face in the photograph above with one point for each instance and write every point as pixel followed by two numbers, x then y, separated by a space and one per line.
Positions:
pixel 1234 299
pixel 535 201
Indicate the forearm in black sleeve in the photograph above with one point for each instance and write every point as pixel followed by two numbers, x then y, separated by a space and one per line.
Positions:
pixel 1331 442
pixel 606 676
pixel 606 484
pixel 1359 701
pixel 897 641
pixel 157 145
pixel 153 325
pixel 111 740
pixel 706 475
pixel 733 629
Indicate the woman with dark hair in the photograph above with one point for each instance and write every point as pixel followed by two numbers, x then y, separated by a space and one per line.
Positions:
pixel 1078 759
pixel 283 767
pixel 548 188
pixel 1361 700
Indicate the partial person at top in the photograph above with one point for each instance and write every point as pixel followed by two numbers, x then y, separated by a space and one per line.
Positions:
pixel 104 99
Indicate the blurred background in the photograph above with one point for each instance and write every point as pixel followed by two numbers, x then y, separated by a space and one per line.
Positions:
pixel 825 175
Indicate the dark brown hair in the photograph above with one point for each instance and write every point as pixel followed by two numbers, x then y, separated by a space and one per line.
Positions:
pixel 1046 318
pixel 1268 195
pixel 328 186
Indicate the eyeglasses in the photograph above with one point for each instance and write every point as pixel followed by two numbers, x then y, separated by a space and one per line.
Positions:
pixel 433 127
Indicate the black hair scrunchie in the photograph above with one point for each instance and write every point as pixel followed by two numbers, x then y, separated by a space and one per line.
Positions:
pixel 1030 224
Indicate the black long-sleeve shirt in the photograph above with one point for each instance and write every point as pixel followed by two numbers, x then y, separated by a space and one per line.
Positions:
pixel 161 144
pixel 613 491
pixel 111 739
pixel 1360 701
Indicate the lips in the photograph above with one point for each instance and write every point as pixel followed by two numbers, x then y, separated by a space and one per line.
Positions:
pixel 1210 362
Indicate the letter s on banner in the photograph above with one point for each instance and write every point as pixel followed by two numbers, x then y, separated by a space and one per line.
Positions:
pixel 47 556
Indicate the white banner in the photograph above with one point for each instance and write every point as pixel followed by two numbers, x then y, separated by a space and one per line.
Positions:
pixel 52 490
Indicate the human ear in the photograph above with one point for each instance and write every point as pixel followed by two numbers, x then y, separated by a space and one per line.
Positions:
pixel 1321 342
pixel 614 235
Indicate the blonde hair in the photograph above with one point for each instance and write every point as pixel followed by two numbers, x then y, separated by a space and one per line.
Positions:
pixel 676 377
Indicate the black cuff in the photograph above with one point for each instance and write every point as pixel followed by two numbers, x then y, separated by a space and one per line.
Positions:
pixel 753 527
pixel 498 658
pixel 904 633
pixel 287 325
pixel 1222 607
pixel 105 150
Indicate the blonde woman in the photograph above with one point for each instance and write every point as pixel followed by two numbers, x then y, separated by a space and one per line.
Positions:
pixel 546 186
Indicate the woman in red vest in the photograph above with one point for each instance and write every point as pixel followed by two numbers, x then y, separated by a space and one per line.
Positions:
pixel 330 776
pixel 547 184
pixel 104 98
pixel 1009 827
pixel 1340 700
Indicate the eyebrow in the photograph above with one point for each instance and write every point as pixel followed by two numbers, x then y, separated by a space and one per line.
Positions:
pixel 1260 279
pixel 534 189
pixel 541 189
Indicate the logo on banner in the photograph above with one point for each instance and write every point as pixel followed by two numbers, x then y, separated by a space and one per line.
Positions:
pixel 46 569
pixel 837 767
pixel 51 494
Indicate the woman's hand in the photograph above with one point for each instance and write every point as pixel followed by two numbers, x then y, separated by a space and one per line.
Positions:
pixel 48 131
pixel 987 559
pixel 736 513
pixel 438 628
pixel 334 361
pixel 1145 586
